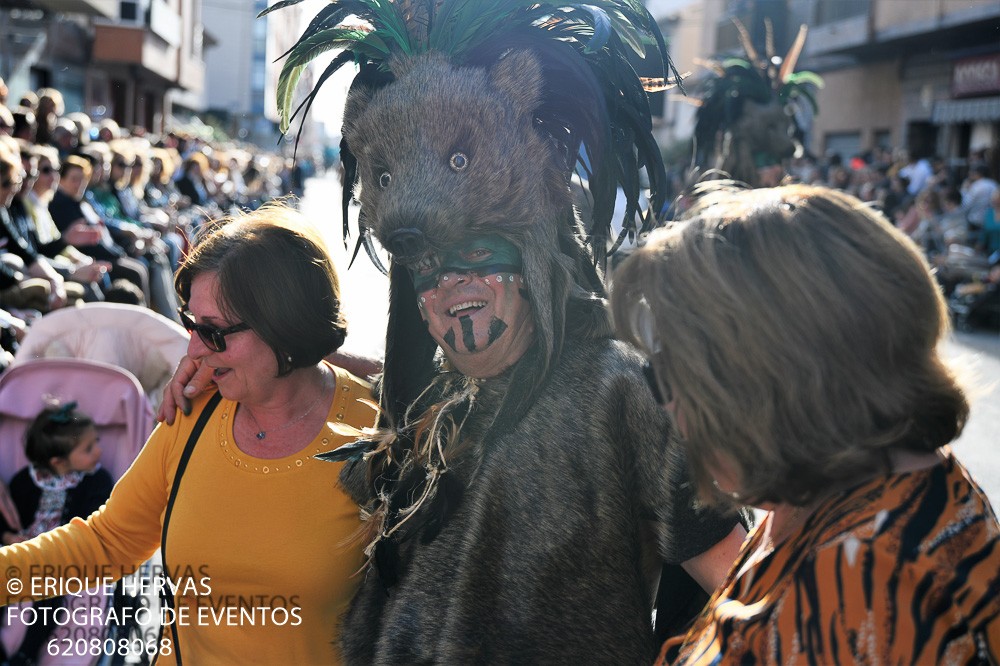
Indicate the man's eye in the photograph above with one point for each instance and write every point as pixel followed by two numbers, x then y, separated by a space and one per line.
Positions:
pixel 479 254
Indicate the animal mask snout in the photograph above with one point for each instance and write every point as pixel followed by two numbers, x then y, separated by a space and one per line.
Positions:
pixel 407 245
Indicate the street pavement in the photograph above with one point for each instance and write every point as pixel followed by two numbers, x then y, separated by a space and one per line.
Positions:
pixel 365 299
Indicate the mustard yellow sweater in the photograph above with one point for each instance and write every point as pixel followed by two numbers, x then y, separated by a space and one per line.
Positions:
pixel 262 550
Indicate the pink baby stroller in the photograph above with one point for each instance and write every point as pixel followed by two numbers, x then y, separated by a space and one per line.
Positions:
pixel 124 419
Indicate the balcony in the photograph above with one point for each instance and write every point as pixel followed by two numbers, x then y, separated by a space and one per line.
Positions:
pixel 98 8
pixel 135 45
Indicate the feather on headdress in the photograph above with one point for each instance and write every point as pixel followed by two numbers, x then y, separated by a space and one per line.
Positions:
pixel 374 33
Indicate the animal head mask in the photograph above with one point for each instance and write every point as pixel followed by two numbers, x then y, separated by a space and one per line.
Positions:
pixel 469 118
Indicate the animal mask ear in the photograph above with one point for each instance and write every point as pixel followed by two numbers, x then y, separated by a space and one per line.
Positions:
pixel 518 75
pixel 357 102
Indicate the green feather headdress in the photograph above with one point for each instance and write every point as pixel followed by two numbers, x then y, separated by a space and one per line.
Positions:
pixel 372 33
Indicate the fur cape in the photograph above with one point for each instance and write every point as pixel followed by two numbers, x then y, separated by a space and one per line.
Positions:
pixel 551 555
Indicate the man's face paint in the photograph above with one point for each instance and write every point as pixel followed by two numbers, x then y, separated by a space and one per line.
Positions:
pixel 474 302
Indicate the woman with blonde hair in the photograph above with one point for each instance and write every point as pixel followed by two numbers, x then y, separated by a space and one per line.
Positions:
pixel 794 333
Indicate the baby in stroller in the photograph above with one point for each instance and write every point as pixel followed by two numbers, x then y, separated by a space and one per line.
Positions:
pixel 63 480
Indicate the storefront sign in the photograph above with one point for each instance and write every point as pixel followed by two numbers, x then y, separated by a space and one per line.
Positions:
pixel 976 76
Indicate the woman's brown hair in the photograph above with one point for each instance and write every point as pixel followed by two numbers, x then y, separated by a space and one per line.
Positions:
pixel 276 275
pixel 798 332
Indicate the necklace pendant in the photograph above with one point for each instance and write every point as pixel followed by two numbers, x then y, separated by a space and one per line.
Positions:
pixel 261 435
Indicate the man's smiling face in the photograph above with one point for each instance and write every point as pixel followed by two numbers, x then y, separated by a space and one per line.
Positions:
pixel 474 302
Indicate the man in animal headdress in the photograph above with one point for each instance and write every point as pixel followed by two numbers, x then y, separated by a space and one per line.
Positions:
pixel 525 487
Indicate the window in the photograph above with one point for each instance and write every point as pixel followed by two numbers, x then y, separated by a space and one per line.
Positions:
pixel 832 11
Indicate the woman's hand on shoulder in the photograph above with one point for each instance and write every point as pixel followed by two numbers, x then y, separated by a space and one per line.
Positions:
pixel 190 379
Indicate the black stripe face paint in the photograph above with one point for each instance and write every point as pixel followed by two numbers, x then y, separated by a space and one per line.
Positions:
pixel 497 327
pixel 468 336
pixel 449 338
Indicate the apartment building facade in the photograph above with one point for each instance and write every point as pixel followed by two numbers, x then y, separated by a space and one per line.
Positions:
pixel 243 69
pixel 917 74
pixel 121 59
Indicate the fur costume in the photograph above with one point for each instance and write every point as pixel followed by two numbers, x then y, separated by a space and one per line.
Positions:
pixel 510 516
pixel 551 554
pixel 749 110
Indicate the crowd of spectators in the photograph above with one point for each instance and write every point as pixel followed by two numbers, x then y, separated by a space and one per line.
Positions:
pixel 952 213
pixel 90 211
pixel 935 204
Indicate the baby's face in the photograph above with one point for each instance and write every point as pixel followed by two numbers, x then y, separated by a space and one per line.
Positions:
pixel 87 452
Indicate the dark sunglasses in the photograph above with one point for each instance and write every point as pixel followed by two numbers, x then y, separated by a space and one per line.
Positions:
pixel 654 385
pixel 46 170
pixel 120 164
pixel 213 336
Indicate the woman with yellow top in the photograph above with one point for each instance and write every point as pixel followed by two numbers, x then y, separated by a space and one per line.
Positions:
pixel 256 534
pixel 794 333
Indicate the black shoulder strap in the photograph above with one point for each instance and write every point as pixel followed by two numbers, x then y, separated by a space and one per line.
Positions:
pixel 167 595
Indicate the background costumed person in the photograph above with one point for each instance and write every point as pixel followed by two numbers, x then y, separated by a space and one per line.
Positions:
pixel 524 487
pixel 751 111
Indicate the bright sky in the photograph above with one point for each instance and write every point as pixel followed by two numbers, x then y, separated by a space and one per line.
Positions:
pixel 329 105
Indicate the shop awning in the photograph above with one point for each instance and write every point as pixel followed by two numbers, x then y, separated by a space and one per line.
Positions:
pixel 980 109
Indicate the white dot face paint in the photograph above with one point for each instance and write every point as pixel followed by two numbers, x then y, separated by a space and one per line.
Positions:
pixel 483 325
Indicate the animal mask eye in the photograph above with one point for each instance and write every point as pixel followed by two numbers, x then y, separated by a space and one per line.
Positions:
pixel 384 179
pixel 458 162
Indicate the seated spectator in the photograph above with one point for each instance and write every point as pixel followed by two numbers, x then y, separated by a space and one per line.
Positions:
pixel 108 130
pixel 989 238
pixel 160 190
pixel 64 137
pixel 16 237
pixel 29 100
pixel 82 227
pixel 977 191
pixel 50 108
pixel 114 201
pixel 795 336
pixel 24 124
pixel 953 225
pixel 192 182
pixel 83 125
pixel 66 259
pixel 927 208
